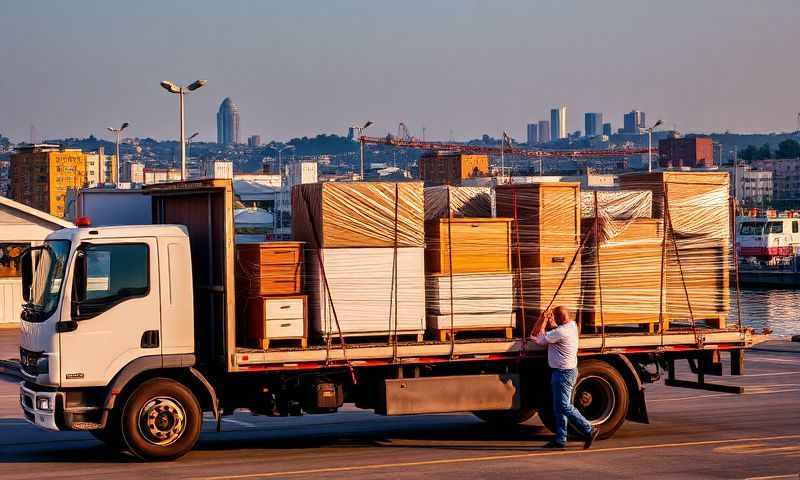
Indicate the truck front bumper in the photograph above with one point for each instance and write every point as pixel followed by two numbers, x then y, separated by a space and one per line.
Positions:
pixel 39 407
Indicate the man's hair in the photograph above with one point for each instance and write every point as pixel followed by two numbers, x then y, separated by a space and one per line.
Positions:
pixel 561 314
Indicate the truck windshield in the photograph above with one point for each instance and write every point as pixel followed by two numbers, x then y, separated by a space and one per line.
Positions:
pixel 48 275
pixel 752 228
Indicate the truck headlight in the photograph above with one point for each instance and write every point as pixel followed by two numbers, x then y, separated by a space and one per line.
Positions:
pixel 43 403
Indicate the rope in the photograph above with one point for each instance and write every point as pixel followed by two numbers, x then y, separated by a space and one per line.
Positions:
pixel 663 283
pixel 736 261
pixel 393 298
pixel 318 245
pixel 450 271
pixel 599 279
pixel 668 218
pixel 524 328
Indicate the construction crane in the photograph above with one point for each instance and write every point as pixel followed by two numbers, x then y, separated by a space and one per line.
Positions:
pixel 402 132
pixel 507 150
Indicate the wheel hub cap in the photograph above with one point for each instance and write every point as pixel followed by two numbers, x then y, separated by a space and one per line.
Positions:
pixel 162 421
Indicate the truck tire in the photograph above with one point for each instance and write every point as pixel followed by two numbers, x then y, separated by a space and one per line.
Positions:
pixel 600 394
pixel 161 420
pixel 506 418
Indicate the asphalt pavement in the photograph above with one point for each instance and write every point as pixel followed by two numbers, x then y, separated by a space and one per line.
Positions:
pixel 692 434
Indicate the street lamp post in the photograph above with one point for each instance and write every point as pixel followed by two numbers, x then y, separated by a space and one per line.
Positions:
pixel 115 168
pixel 650 146
pixel 181 91
pixel 360 131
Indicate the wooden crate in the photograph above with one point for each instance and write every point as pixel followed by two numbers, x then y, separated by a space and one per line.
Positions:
pixel 548 215
pixel 629 275
pixel 269 268
pixel 277 318
pixel 478 245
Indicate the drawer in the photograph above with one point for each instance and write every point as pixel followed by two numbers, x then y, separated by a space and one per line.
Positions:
pixel 282 308
pixel 280 256
pixel 284 328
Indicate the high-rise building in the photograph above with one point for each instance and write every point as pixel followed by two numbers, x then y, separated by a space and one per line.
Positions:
pixel 607 129
pixel 254 140
pixel 593 122
pixel 533 134
pixel 558 123
pixel 228 123
pixel 633 122
pixel 544 131
pixel 137 173
pixel 42 174
pixel 99 168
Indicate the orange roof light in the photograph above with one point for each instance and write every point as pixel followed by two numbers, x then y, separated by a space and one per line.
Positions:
pixel 83 222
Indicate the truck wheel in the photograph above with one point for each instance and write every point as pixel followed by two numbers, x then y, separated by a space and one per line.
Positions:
pixel 161 420
pixel 506 418
pixel 601 396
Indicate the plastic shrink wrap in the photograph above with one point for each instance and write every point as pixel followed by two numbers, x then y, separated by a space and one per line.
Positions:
pixel 358 214
pixel 473 202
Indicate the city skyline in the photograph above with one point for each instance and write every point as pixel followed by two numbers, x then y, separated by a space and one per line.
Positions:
pixel 293 85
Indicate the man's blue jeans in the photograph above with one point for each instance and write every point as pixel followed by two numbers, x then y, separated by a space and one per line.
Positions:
pixel 562 382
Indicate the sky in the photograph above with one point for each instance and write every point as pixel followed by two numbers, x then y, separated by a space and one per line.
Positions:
pixel 457 68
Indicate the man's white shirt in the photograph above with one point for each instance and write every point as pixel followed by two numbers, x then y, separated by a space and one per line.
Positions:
pixel 562 346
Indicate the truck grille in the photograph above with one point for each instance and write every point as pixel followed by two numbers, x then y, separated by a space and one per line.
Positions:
pixel 28 360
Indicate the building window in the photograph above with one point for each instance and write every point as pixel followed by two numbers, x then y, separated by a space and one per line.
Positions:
pixel 9 259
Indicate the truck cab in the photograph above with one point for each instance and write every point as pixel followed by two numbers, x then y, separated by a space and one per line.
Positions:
pixel 101 304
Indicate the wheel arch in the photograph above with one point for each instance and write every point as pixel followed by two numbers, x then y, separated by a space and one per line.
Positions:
pixel 637 410
pixel 176 367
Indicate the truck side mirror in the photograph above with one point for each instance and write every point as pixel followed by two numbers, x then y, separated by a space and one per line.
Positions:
pixel 26 263
pixel 79 278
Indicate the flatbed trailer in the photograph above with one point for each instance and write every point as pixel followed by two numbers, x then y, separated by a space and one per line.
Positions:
pixel 142 385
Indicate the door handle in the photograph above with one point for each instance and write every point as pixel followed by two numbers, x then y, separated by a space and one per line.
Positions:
pixel 150 339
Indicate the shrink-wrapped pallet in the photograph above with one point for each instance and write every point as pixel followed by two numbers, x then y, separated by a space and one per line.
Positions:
pixel 622 273
pixel 698 257
pixel 463 202
pixel 358 214
pixel 548 217
pixel 361 290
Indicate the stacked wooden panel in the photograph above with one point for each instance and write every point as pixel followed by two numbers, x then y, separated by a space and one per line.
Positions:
pixel 548 218
pixel 469 285
pixel 364 257
pixel 622 273
pixel 698 270
pixel 268 283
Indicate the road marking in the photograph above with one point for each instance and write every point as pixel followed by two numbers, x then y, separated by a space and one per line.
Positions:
pixel 773 374
pixel 378 466
pixel 775 477
pixel 238 422
pixel 749 390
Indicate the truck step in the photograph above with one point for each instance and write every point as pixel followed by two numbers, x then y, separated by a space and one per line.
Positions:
pixel 86 426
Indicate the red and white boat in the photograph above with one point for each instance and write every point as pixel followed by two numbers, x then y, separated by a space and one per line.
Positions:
pixel 768 237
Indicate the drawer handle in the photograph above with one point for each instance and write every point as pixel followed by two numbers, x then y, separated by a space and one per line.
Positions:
pixel 286 324
pixel 284 307
pixel 279 252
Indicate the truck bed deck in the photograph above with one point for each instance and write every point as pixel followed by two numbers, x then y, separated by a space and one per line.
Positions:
pixel 368 354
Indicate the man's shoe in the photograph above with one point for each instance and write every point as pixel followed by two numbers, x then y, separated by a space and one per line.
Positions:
pixel 552 444
pixel 587 444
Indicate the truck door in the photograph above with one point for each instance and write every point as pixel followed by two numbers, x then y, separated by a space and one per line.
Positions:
pixel 118 318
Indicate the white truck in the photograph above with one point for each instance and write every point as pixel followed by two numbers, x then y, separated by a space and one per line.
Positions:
pixel 129 332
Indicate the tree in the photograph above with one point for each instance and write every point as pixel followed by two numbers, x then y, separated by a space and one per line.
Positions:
pixel 749 153
pixel 788 149
pixel 764 152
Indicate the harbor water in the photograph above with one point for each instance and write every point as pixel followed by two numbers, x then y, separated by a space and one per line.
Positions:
pixel 774 309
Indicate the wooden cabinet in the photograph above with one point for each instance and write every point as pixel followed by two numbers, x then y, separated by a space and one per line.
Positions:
pixel 478 245
pixel 548 217
pixel 277 318
pixel 269 268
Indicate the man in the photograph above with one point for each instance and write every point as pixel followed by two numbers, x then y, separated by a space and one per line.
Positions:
pixel 562 357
